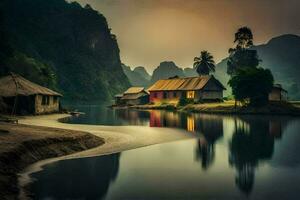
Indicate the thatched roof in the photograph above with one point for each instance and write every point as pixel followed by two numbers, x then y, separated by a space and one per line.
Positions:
pixel 190 83
pixel 24 87
pixel 134 90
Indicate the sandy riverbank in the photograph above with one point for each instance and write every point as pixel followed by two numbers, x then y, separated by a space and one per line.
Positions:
pixel 22 145
pixel 117 139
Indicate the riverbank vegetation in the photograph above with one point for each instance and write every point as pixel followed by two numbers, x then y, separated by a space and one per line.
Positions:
pixel 228 107
pixel 22 145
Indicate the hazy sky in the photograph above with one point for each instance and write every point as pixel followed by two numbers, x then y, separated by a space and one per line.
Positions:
pixel 151 31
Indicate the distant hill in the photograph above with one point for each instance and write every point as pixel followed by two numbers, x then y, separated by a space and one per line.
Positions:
pixel 142 71
pixel 282 56
pixel 190 72
pixel 166 70
pixel 71 42
pixel 137 77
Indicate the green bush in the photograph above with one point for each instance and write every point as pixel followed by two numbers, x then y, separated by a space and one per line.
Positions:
pixel 184 101
pixel 253 84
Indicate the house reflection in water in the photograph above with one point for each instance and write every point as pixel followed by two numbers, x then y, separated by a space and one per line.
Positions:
pixel 252 143
pixel 190 123
pixel 132 117
pixel 164 119
pixel 204 124
pixel 209 127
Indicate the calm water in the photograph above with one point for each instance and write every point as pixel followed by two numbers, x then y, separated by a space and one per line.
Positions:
pixel 246 157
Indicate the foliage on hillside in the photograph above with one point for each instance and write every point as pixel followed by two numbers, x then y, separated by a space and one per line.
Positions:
pixel 75 42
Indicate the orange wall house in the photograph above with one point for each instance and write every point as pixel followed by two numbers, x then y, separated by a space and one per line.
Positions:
pixel 201 88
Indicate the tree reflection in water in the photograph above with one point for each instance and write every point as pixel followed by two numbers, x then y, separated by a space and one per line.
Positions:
pixel 72 183
pixel 251 143
pixel 205 153
pixel 211 127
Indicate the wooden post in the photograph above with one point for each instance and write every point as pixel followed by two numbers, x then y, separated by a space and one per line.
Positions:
pixel 16 98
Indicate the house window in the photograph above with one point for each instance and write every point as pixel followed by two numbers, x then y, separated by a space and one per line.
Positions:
pixel 165 95
pixel 155 94
pixel 190 94
pixel 45 100
pixel 174 94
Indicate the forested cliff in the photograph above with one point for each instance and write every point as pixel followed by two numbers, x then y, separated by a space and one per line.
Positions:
pixel 68 44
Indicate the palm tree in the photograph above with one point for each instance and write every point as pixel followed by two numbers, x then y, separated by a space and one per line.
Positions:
pixel 204 64
pixel 243 37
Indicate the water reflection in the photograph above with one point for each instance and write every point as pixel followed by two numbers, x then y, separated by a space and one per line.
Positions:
pixel 248 141
pixel 86 178
pixel 102 115
pixel 252 142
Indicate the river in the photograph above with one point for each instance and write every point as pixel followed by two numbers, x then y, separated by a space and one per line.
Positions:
pixel 233 157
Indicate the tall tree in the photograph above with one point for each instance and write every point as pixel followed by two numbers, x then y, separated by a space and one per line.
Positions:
pixel 248 82
pixel 241 56
pixel 204 64
pixel 244 38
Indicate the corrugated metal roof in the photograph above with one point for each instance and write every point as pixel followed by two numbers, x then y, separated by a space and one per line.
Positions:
pixel 134 90
pixel 190 83
pixel 25 87
pixel 279 86
pixel 133 96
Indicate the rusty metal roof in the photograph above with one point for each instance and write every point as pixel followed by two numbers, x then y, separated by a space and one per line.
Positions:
pixel 279 86
pixel 190 83
pixel 134 90
pixel 134 96
pixel 15 84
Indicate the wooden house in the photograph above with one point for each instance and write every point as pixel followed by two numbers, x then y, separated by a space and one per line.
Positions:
pixel 278 93
pixel 201 88
pixel 133 96
pixel 25 97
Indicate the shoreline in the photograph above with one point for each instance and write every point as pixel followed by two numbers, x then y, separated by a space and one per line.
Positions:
pixel 23 145
pixel 116 139
pixel 228 108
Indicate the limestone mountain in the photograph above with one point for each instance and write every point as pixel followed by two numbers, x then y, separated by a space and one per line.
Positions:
pixel 74 41
pixel 190 72
pixel 142 71
pixel 135 76
pixel 166 70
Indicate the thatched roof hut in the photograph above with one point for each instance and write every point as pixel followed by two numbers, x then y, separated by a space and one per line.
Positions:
pixel 15 84
pixel 23 96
